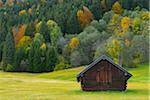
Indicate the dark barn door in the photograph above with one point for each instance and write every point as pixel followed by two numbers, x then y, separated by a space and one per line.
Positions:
pixel 104 76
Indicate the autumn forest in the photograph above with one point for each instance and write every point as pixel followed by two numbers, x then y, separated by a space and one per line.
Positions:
pixel 50 35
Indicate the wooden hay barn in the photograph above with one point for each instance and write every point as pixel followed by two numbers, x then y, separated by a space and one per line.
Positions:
pixel 103 74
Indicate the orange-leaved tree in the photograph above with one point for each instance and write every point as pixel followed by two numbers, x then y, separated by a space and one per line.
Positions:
pixel 85 16
pixel 19 32
pixel 1 3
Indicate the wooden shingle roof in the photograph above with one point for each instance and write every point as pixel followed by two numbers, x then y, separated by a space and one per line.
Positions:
pixel 103 57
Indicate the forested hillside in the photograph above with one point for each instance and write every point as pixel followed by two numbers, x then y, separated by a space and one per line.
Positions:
pixel 48 35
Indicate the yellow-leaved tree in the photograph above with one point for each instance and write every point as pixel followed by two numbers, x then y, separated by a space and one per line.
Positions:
pixel 146 15
pixel 117 8
pixel 51 24
pixel 136 25
pixel 103 4
pixel 22 12
pixel 38 26
pixel 127 42
pixel 43 46
pixel 24 41
pixel 125 23
pixel 30 10
pixel 43 2
pixel 114 49
pixel 74 43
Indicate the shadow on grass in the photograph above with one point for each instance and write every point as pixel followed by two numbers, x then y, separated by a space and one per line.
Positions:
pixel 127 92
pixel 137 91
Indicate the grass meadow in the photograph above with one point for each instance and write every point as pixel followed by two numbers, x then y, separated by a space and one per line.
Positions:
pixel 62 85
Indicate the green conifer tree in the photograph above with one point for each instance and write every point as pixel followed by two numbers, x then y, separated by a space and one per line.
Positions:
pixel 8 51
pixel 51 59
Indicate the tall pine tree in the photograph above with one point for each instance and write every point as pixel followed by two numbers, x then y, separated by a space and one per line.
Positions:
pixel 51 59
pixel 8 51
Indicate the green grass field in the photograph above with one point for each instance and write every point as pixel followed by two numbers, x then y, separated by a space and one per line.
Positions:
pixel 62 85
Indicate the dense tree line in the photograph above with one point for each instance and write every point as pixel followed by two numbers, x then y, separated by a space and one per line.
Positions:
pixel 48 35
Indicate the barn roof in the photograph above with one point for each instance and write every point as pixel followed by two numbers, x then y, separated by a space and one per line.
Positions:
pixel 103 57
